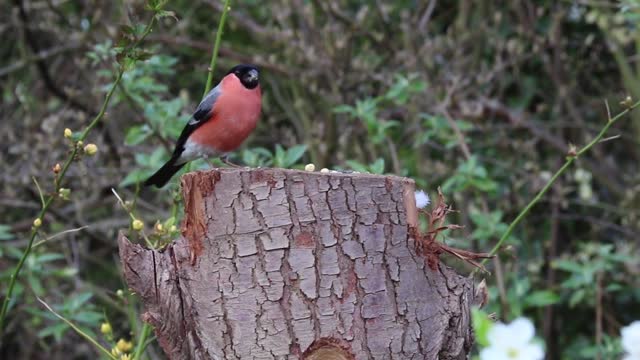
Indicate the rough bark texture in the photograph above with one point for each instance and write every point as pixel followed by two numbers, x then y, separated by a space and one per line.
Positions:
pixel 283 264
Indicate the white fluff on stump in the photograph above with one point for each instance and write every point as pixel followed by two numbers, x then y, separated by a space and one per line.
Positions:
pixel 286 264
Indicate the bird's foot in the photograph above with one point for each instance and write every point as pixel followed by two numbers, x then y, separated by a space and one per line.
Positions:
pixel 212 164
pixel 225 160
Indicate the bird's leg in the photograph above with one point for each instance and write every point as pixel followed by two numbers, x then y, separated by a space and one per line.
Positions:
pixel 225 160
pixel 209 161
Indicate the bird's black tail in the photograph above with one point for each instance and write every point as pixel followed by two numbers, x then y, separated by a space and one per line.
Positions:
pixel 162 176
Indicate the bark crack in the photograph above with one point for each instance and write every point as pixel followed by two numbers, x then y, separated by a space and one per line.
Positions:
pixel 290 259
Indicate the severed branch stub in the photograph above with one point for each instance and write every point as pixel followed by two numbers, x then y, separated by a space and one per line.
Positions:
pixel 286 264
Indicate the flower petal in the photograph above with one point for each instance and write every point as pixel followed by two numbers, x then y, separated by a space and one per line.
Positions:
pixel 631 338
pixel 500 336
pixel 493 353
pixel 531 352
pixel 522 332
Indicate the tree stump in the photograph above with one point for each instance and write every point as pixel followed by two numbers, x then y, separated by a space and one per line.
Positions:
pixel 285 264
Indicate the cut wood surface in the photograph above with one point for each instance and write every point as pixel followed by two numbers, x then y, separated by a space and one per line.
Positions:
pixel 286 264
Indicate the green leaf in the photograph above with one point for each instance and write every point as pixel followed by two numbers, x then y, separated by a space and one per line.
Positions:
pixel 88 317
pixel 340 109
pixel 136 176
pixel 49 257
pixel 137 134
pixel 294 154
pixel 35 285
pixel 169 222
pixel 567 265
pixel 77 301
pixel 57 330
pixel 5 232
pixel 481 326
pixel 541 298
pixel 280 155
pixel 576 297
pixel 356 166
pixel 257 156
pixel 165 13
pixel 378 166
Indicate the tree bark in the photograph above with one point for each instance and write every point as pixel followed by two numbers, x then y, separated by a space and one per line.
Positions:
pixel 285 264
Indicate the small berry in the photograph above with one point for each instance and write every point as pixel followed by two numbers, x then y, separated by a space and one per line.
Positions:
pixel 90 149
pixel 115 351
pixel 173 228
pixel 64 193
pixel 37 223
pixel 105 328
pixel 137 225
pixel 310 167
pixel 68 133
pixel 627 102
pixel 124 345
pixel 324 170
pixel 119 293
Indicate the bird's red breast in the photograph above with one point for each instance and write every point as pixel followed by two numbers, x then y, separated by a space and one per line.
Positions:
pixel 233 117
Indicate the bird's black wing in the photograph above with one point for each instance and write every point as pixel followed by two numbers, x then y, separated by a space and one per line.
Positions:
pixel 199 117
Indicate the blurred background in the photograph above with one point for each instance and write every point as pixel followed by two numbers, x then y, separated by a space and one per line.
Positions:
pixel 480 98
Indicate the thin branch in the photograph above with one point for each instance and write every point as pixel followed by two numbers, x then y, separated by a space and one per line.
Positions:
pixel 78 330
pixel 570 159
pixel 61 175
pixel 216 46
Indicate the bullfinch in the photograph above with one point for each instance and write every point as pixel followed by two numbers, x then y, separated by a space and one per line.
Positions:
pixel 222 121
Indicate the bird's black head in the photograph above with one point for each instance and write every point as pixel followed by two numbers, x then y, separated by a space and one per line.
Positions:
pixel 249 75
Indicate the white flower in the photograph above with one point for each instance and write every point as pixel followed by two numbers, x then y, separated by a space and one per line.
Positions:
pixel 631 340
pixel 422 199
pixel 513 341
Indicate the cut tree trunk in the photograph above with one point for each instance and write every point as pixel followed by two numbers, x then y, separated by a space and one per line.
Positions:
pixel 285 264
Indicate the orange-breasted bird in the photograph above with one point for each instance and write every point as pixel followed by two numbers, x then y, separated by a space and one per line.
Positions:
pixel 222 121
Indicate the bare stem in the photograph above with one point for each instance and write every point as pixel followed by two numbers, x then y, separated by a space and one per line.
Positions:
pixel 570 159
pixel 142 341
pixel 216 46
pixel 60 177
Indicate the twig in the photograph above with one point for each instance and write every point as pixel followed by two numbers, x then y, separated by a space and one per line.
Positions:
pixel 39 190
pixel 78 330
pixel 60 177
pixel 598 314
pixel 142 343
pixel 216 46
pixel 610 138
pixel 572 156
pixel 41 55
pixel 60 234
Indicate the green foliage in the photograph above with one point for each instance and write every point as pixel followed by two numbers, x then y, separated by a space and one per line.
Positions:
pixel 438 129
pixel 376 167
pixel 148 164
pixel 77 309
pixel 262 157
pixel 481 326
pixel 513 99
pixel 470 175
pixel 583 269
pixel 583 348
pixel 367 110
